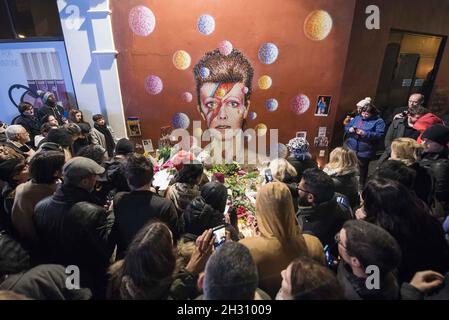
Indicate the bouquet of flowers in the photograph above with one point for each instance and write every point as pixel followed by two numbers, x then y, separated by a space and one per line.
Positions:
pixel 242 188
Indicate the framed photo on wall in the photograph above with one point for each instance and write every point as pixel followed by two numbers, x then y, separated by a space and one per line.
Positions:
pixel 134 127
pixel 323 106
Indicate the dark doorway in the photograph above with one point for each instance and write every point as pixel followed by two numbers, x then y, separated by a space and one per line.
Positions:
pixel 410 65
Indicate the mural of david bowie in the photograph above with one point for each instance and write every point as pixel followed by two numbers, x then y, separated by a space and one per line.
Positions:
pixel 224 94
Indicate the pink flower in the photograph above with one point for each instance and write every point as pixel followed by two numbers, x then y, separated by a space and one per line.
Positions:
pixel 241 172
pixel 250 219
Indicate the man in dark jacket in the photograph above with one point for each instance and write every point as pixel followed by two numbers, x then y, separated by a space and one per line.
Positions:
pixel 27 120
pixel 72 229
pixel 134 209
pixel 50 107
pixel 402 128
pixel 320 213
pixel 361 246
pixel 436 159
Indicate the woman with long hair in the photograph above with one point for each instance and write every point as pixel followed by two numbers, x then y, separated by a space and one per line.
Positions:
pixel 343 169
pixel 392 206
pixel 149 269
pixel 280 239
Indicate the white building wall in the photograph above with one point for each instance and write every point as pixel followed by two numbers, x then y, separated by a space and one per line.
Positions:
pixel 87 29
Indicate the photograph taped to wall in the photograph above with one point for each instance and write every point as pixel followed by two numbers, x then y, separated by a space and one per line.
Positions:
pixel 134 127
pixel 323 106
pixel 322 131
pixel 147 145
pixel 322 153
pixel 301 134
pixel 321 142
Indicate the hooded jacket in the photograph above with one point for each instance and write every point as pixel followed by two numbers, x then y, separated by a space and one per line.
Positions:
pixel 181 194
pixel 281 239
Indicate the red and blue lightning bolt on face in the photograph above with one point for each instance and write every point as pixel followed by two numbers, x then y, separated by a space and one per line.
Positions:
pixel 223 105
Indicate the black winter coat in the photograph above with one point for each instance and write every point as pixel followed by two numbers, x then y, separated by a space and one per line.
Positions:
pixel 73 230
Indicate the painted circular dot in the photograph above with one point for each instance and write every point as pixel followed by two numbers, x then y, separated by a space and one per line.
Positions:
pixel 225 47
pixel 187 97
pixel 141 20
pixel 245 90
pixel 300 104
pixel 206 24
pixel 181 60
pixel 252 116
pixel 265 82
pixel 268 53
pixel 153 85
pixel 180 121
pixel 272 105
pixel 204 72
pixel 261 129
pixel 318 25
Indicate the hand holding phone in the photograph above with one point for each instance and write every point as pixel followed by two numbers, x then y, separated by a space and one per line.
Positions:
pixel 220 235
pixel 268 176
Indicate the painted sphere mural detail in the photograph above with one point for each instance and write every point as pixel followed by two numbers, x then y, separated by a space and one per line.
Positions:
pixel 268 53
pixel 252 116
pixel 261 129
pixel 300 104
pixel 245 90
pixel 272 105
pixel 206 24
pixel 265 82
pixel 153 85
pixel 141 20
pixel 204 72
pixel 318 25
pixel 181 60
pixel 180 121
pixel 225 47
pixel 187 97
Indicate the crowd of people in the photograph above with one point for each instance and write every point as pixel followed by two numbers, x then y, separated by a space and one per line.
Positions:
pixel 75 198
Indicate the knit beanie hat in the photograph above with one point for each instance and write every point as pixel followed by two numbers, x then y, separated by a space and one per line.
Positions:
pixel 363 102
pixel 124 147
pixel 299 147
pixel 45 95
pixel 437 133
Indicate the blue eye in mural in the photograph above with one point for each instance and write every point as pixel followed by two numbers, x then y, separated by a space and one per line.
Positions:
pixel 272 105
pixel 141 20
pixel 206 24
pixel 180 121
pixel 268 53
pixel 153 85
pixel 300 104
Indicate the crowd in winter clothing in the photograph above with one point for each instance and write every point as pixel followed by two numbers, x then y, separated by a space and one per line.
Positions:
pixel 74 196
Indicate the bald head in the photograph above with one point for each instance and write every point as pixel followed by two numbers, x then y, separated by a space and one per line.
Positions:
pixel 415 100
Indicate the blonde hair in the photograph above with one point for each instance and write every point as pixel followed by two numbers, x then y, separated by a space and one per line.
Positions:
pixel 342 159
pixel 280 168
pixel 406 150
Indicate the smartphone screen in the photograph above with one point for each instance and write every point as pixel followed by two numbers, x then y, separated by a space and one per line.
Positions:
pixel 268 176
pixel 220 235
